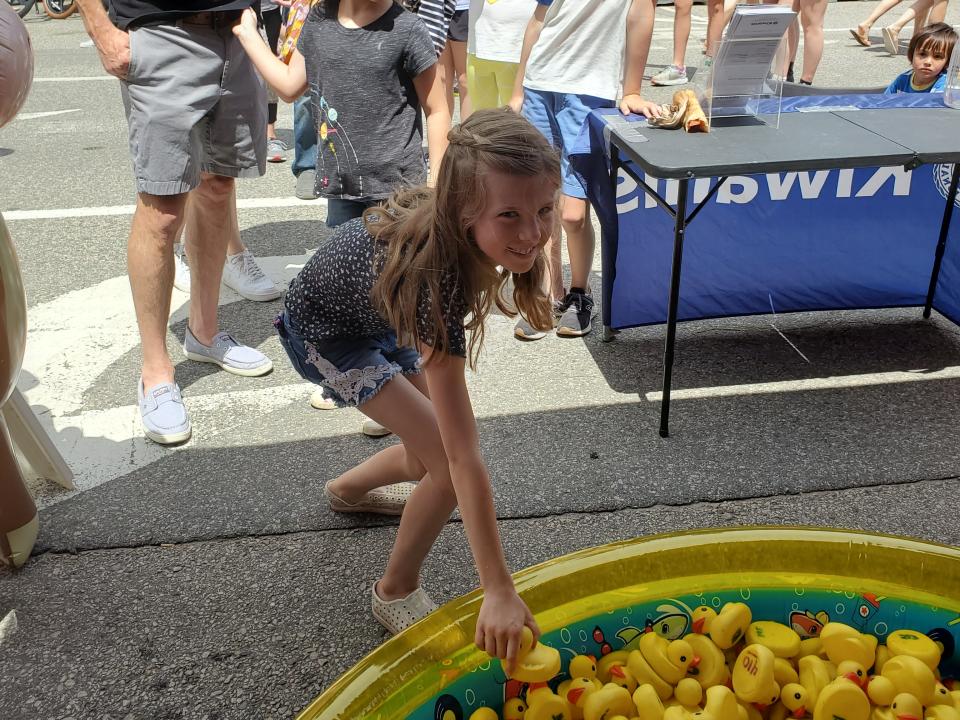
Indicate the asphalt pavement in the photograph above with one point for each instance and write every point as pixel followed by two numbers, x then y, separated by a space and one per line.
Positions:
pixel 211 581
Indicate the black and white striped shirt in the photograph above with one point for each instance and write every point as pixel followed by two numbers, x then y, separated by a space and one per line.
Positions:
pixel 436 16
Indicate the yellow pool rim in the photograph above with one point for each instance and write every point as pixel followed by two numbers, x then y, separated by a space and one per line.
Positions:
pixel 601 579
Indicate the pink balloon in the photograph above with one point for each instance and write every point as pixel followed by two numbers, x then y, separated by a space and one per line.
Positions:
pixel 16 63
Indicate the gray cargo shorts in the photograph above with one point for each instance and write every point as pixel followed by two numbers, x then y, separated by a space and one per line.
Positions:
pixel 194 102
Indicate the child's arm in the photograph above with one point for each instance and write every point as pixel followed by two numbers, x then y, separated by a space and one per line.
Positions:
pixel 289 81
pixel 432 97
pixel 502 614
pixel 530 37
pixel 639 35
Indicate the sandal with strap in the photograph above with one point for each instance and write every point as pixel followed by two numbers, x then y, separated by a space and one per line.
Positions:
pixel 397 615
pixel 386 500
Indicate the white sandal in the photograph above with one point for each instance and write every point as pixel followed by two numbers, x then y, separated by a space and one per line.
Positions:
pixel 397 615
pixel 386 500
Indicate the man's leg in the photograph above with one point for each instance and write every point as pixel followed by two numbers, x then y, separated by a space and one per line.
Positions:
pixel 156 222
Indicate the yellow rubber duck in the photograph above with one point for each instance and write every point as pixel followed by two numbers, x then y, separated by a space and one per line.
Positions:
pixel 881 691
pixel 941 712
pixel 815 675
pixel 906 707
pixel 514 709
pixel 943 696
pixel 621 675
pixel 882 656
pixel 842 642
pixel 915 643
pixel 730 625
pixel 677 712
pixel 617 657
pixel 648 703
pixel 796 700
pixel 543 704
pixel 720 704
pixel 688 694
pixel 643 673
pixel 577 692
pixel 606 702
pixel 484 713
pixel 854 672
pixel 782 640
pixel 913 676
pixel 534 664
pixel 810 646
pixel 669 659
pixel 711 669
pixel 842 700
pixel 583 666
pixel 701 617
pixel 753 678
pixel 784 672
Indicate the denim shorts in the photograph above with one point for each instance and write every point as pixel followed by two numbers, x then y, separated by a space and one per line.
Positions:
pixel 560 117
pixel 352 369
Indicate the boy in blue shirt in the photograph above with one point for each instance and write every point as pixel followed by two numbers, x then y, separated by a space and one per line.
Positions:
pixel 929 52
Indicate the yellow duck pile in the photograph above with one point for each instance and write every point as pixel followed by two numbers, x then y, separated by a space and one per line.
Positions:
pixel 732 668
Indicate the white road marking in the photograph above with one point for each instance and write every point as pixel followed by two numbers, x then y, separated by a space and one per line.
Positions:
pixel 108 210
pixel 49 113
pixel 825 383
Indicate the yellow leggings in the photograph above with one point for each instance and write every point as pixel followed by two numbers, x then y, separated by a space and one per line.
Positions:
pixel 490 82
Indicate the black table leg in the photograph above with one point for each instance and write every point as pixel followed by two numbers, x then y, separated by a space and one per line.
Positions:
pixel 608 251
pixel 942 244
pixel 680 227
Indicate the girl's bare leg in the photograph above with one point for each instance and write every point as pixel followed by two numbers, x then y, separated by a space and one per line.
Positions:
pixel 458 54
pixel 681 31
pixel 811 18
pixel 445 73
pixel 882 8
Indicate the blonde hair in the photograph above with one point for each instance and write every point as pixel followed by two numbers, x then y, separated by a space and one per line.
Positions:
pixel 428 233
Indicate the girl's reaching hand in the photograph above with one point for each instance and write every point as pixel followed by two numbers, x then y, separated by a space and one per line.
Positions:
pixel 502 617
pixel 246 23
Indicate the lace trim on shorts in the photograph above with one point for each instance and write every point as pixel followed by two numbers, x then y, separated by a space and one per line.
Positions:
pixel 347 384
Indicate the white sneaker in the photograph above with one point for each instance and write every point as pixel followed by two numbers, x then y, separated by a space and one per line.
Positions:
pixel 181 271
pixel 321 401
pixel 371 428
pixel 242 274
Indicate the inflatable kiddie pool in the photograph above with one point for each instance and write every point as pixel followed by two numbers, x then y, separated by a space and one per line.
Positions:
pixel 605 598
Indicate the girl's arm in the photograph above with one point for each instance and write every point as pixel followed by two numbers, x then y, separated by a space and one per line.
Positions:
pixel 530 37
pixel 639 36
pixel 502 614
pixel 289 81
pixel 432 97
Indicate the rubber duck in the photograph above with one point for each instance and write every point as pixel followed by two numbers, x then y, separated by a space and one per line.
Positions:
pixel 784 672
pixel 669 659
pixel 730 625
pixel 648 703
pixel 749 711
pixel 583 666
pixel 577 692
pixel 942 696
pixel 842 642
pixel 753 679
pixel 617 657
pixel 484 713
pixel 533 664
pixel 910 675
pixel 606 702
pixel 881 690
pixel 906 707
pixel 882 656
pixel 514 709
pixel 782 640
pixel 814 675
pixel 677 712
pixel 810 646
pixel 854 672
pixel 712 669
pixel 912 642
pixel 688 694
pixel 545 705
pixel 796 700
pixel 701 617
pixel 842 700
pixel 621 675
pixel 941 712
pixel 720 704
pixel 643 673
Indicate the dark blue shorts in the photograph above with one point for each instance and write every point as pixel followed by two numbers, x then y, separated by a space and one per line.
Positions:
pixel 352 369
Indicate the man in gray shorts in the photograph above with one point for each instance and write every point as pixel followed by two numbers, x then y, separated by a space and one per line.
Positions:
pixel 196 111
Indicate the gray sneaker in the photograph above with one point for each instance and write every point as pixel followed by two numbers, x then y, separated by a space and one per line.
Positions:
pixel 307 185
pixel 523 330
pixel 576 318
pixel 163 414
pixel 228 354
pixel 670 75
pixel 275 150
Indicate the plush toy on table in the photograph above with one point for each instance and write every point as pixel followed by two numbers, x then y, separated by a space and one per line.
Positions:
pixel 18 514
